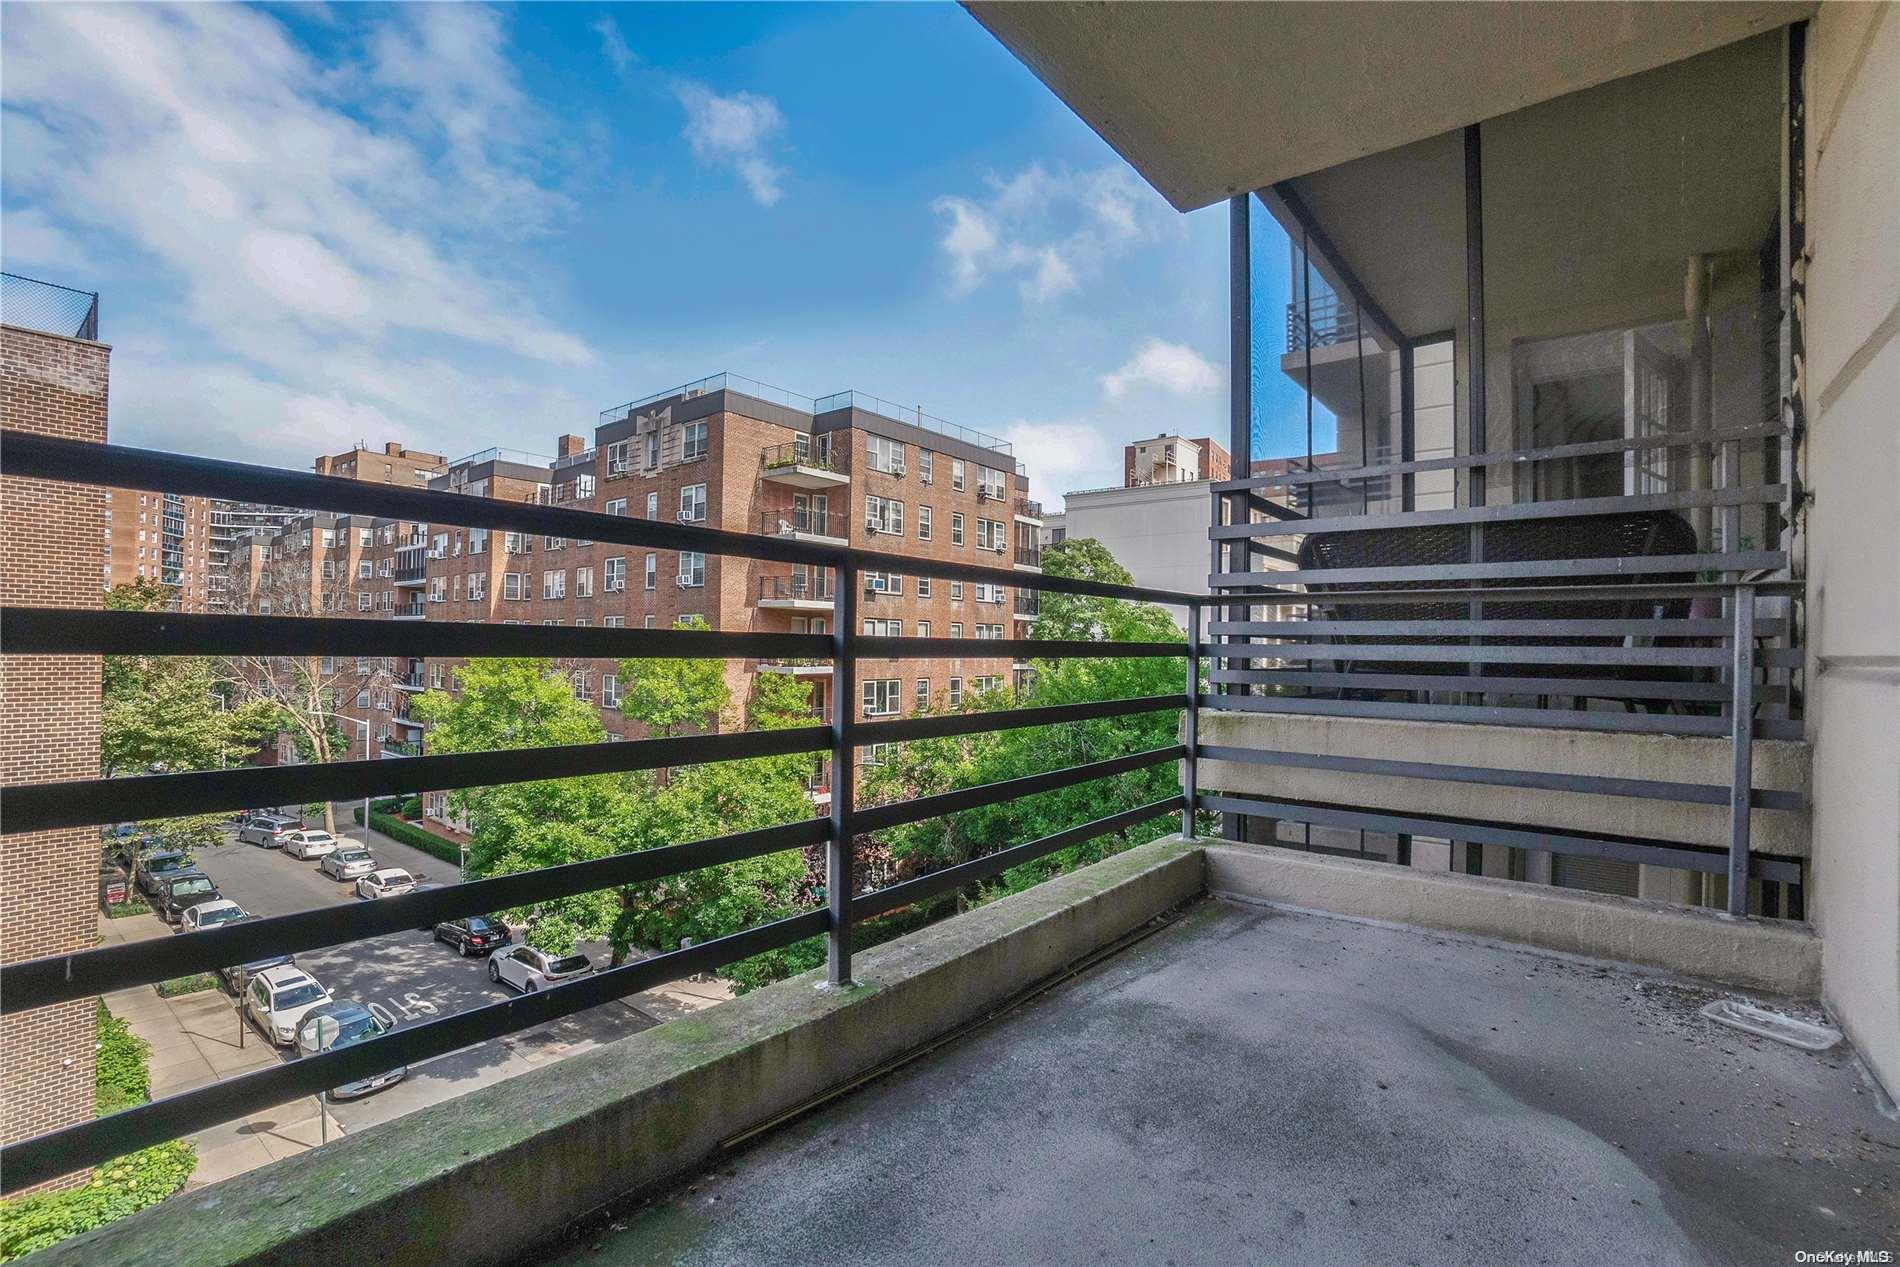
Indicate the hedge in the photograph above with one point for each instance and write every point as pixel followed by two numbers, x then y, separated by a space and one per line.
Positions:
pixel 413 836
pixel 193 984
pixel 117 1188
pixel 132 906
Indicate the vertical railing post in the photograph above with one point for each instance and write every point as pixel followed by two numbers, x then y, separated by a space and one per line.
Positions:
pixel 1190 781
pixel 1741 743
pixel 840 880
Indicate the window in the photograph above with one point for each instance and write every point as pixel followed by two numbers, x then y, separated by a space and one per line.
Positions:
pixel 610 690
pixel 514 586
pixel 693 503
pixel 329 569
pixel 652 570
pixel 647 621
pixel 923 523
pixel 517 543
pixel 653 505
pixel 923 587
pixel 956 474
pixel 692 569
pixel 477 585
pixel 879 753
pixel 554 543
pixel 926 465
pixel 956 591
pixel 478 541
pixel 993 633
pixel 956 528
pixel 363 570
pixel 882 514
pixel 956 629
pixel 653 451
pixel 583 686
pixel 613 576
pixel 362 601
pixel 884 629
pixel 329 538
pixel 613 622
pixel 366 536
pixel 923 694
pixel 989 484
pixel 988 593
pixel 884 582
pixel 583 582
pixel 693 441
pixel 619 462
pixel 618 506
pixel 554 584
pixel 439 589
pixel 362 697
pixel 885 455
pixel 956 692
pixel 883 697
pixel 923 629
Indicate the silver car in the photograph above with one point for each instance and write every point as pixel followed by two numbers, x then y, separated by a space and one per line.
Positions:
pixel 528 969
pixel 347 863
pixel 345 1023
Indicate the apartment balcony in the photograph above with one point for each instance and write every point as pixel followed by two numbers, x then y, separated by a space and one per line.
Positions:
pixel 1028 558
pixel 401 748
pixel 1028 512
pixel 1027 606
pixel 804 523
pixel 409 682
pixel 802 464
pixel 411 566
pixel 416 610
pixel 797 666
pixel 798 591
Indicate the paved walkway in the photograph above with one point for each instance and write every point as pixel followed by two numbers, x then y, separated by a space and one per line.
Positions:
pixel 198 1039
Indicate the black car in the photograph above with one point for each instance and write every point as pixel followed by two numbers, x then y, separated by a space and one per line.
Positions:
pixel 475 935
pixel 180 890
pixel 424 888
pixel 154 867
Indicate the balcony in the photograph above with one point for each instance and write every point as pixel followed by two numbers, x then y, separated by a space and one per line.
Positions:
pixel 802 464
pixel 414 610
pixel 1028 605
pixel 797 591
pixel 401 748
pixel 411 565
pixel 1028 512
pixel 1028 557
pixel 804 523
pixel 797 666
pixel 409 682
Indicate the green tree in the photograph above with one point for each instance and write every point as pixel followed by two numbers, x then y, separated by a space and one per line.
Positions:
pixel 669 695
pixel 1085 617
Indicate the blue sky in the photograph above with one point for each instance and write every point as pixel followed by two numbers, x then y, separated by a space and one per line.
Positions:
pixel 461 226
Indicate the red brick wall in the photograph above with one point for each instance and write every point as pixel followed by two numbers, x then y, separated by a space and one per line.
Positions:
pixel 49 725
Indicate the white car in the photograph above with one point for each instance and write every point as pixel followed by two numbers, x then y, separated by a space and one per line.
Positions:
pixel 347 862
pixel 277 999
pixel 310 843
pixel 389 882
pixel 210 915
pixel 528 969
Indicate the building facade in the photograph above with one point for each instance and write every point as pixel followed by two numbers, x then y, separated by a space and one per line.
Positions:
pixel 161 537
pixel 1172 459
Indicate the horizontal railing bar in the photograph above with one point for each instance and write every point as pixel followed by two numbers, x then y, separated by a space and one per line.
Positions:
pixel 1567 653
pixel 881 648
pixel 59 978
pixel 901 729
pixel 1600 688
pixel 56 631
pixel 1548 781
pixel 118 466
pixel 1508 457
pixel 89 1143
pixel 1474 831
pixel 1622 565
pixel 928 886
pixel 1660 627
pixel 1267 506
pixel 85 802
pixel 1511 512
pixel 880 817
pixel 1485 715
pixel 1581 593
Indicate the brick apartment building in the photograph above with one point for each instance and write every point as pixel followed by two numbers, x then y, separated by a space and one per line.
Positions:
pixel 725 453
pixel 56 385
pixel 162 537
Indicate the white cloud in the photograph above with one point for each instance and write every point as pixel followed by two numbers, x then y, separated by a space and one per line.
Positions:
pixel 1065 456
pixel 613 45
pixel 1169 367
pixel 1049 230
pixel 333 237
pixel 736 132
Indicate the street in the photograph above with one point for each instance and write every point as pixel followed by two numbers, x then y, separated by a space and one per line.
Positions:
pixel 409 977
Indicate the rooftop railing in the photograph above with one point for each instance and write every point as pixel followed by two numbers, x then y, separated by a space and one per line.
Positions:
pixel 915 416
pixel 48 306
pixel 713 383
pixel 49 805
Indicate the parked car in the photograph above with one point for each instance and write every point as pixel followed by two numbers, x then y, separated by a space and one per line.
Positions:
pixel 278 998
pixel 343 1023
pixel 347 862
pixel 239 975
pixel 134 849
pixel 388 882
pixel 528 969
pixel 154 867
pixel 308 843
pixel 268 830
pixel 181 890
pixel 211 914
pixel 477 933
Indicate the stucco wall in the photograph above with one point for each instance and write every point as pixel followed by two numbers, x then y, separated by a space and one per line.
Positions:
pixel 1852 391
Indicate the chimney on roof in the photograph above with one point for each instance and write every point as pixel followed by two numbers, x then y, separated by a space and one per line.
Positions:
pixel 568 446
pixel 392 449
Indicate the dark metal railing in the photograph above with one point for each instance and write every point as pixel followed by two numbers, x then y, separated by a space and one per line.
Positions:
pixel 801 452
pixel 36 305
pixel 1029 556
pixel 814 586
pixel 783 521
pixel 1331 322
pixel 43 806
pixel 1028 509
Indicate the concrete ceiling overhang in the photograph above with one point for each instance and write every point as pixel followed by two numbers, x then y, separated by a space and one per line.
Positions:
pixel 1208 100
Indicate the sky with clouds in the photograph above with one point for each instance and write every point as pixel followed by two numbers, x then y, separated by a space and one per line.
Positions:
pixel 459 226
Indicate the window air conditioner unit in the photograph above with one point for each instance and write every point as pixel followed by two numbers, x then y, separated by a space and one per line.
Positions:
pixel 684 582
pixel 898 468
pixel 687 517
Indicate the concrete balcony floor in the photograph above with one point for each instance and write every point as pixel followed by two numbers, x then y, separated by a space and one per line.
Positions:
pixel 1249 1085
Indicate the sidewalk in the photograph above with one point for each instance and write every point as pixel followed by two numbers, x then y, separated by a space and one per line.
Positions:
pixel 195 1040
